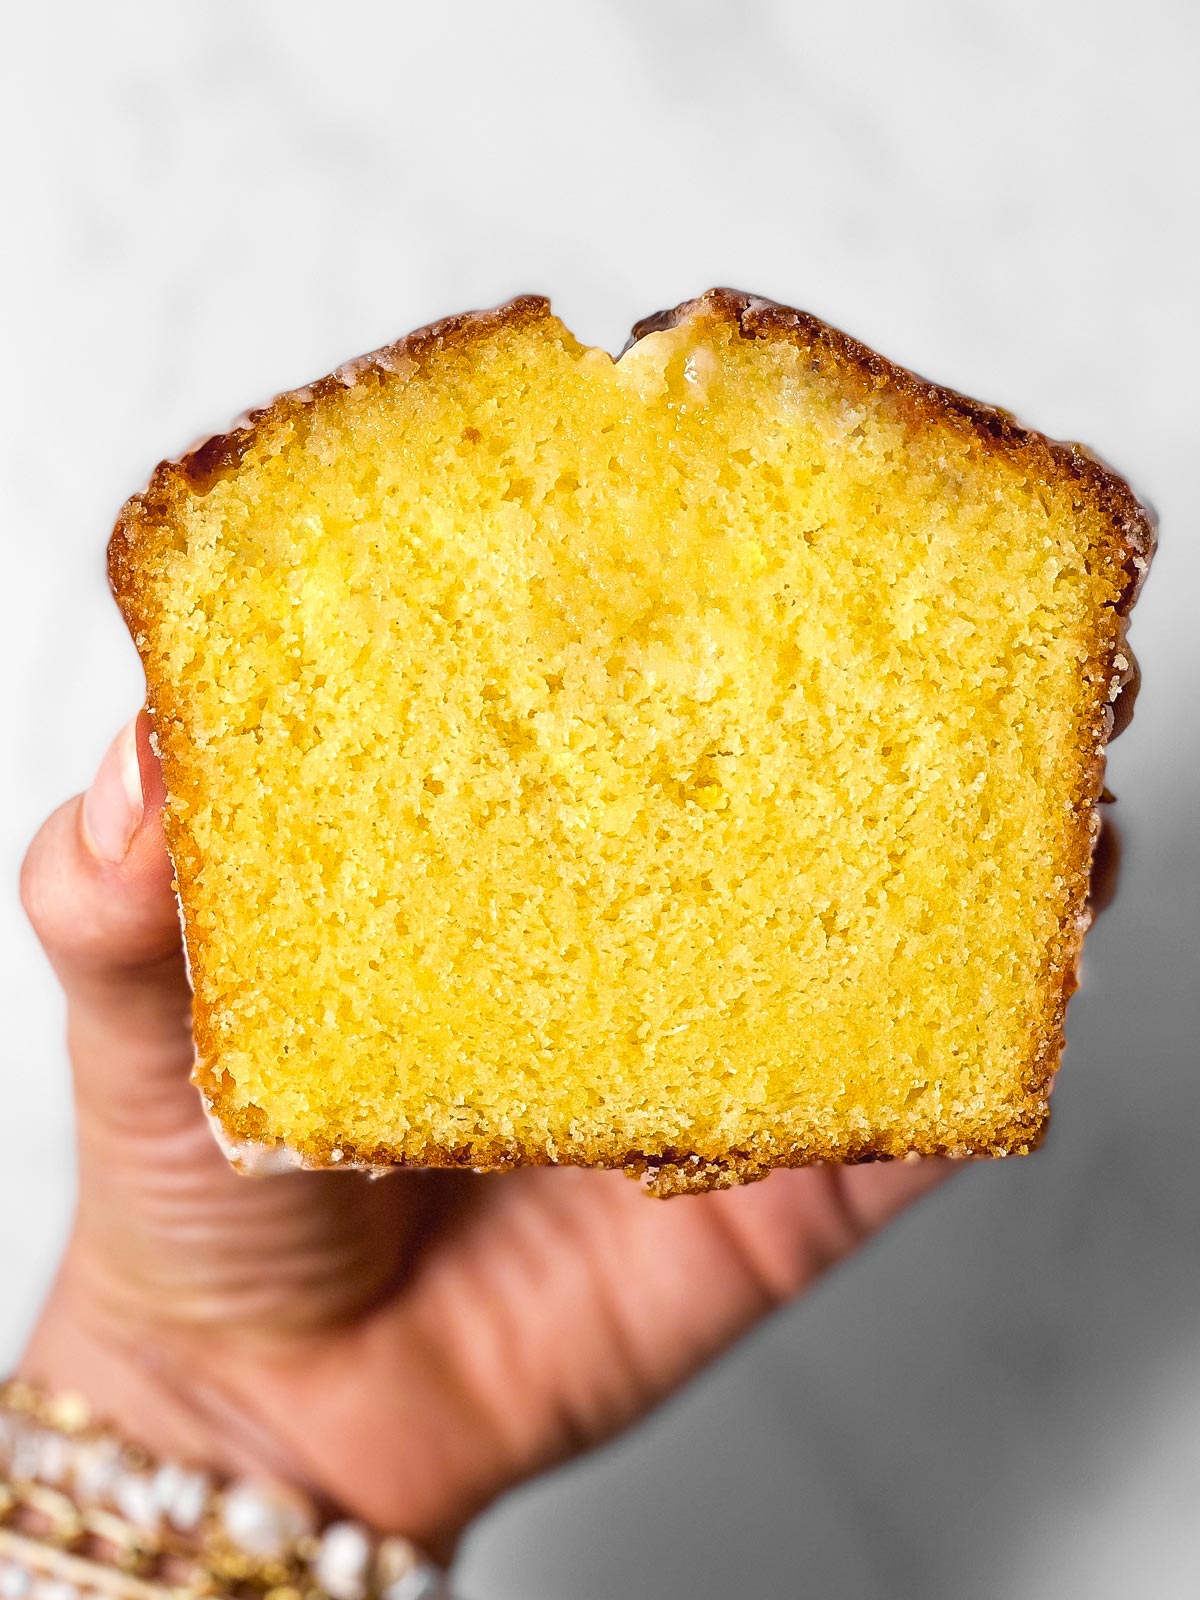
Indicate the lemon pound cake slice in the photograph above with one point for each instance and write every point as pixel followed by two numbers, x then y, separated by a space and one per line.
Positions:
pixel 685 763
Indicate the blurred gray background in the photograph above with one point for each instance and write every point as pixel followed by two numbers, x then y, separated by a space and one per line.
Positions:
pixel 205 202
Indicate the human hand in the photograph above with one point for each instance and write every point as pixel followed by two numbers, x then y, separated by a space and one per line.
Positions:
pixel 405 1349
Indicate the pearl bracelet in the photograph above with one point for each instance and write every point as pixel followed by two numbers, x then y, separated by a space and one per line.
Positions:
pixel 85 1516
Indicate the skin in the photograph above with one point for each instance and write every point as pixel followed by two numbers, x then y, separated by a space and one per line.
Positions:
pixel 407 1349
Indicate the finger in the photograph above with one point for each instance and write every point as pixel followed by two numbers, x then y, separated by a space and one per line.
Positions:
pixel 171 1230
pixel 1126 695
pixel 1106 867
pixel 97 887
pixel 600 1301
pixel 797 1224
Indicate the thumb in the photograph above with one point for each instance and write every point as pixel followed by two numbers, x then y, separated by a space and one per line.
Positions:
pixel 97 887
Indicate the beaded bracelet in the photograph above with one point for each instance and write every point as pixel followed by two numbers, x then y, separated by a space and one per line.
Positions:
pixel 85 1516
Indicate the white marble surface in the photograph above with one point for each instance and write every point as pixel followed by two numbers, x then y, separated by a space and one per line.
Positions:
pixel 206 201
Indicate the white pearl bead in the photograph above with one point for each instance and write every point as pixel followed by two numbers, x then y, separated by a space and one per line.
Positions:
pixel 266 1519
pixel 53 1455
pixel 95 1468
pixel 25 1456
pixel 134 1496
pixel 15 1582
pixel 394 1560
pixel 182 1495
pixel 343 1560
pixel 54 1589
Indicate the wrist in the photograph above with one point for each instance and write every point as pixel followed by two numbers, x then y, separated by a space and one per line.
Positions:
pixel 146 1383
pixel 212 1398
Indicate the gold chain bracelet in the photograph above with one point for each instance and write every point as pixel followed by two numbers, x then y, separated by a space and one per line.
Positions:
pixel 86 1516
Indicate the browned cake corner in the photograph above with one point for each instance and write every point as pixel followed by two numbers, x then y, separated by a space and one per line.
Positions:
pixel 610 763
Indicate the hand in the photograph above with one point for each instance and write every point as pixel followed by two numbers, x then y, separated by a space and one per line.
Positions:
pixel 406 1349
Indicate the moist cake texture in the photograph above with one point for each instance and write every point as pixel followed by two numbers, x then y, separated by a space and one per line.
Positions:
pixel 685 763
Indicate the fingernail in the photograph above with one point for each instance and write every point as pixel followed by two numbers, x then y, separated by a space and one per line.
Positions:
pixel 113 806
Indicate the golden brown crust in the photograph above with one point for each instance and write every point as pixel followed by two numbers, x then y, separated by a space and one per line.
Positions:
pixel 755 317
pixel 664 1173
pixel 678 1171
pixel 219 455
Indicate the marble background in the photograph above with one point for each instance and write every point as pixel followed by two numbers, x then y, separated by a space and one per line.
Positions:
pixel 207 201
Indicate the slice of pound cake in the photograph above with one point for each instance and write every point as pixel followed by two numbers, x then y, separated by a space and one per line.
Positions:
pixel 685 763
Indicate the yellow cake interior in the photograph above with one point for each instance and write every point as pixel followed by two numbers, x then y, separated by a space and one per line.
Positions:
pixel 573 758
